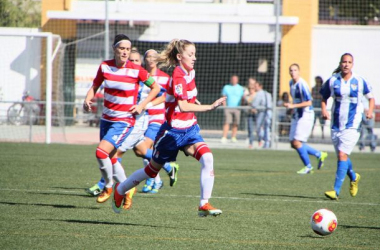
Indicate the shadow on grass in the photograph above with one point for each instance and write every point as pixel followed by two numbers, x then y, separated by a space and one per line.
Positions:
pixel 119 224
pixel 359 227
pixel 65 194
pixel 45 205
pixel 259 171
pixel 70 188
pixel 285 195
pixel 312 236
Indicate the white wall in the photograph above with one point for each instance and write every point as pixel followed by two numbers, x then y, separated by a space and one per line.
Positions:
pixel 363 42
pixel 19 65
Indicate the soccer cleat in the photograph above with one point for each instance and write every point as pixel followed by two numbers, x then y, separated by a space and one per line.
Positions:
pixel 128 199
pixel 104 195
pixel 117 201
pixel 331 195
pixel 94 190
pixel 156 187
pixel 207 209
pixel 322 159
pixel 148 185
pixel 173 174
pixel 306 170
pixel 354 186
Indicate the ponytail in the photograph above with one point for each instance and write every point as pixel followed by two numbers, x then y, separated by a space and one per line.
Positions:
pixel 168 57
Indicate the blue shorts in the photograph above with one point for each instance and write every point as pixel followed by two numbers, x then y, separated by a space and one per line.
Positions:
pixel 152 131
pixel 169 141
pixel 114 132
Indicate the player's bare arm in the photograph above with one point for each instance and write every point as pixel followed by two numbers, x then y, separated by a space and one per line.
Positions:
pixel 191 107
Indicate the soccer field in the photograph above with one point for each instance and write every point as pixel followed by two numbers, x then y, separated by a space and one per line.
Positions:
pixel 265 204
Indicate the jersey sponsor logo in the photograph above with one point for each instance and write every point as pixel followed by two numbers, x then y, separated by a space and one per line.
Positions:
pixel 178 89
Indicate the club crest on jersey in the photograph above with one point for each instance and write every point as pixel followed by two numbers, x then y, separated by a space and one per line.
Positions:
pixel 178 89
pixel 354 86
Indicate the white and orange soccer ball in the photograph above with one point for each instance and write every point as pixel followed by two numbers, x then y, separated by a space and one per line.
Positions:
pixel 324 222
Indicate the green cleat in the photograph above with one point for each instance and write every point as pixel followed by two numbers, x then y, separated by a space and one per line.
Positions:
pixel 306 170
pixel 331 195
pixel 173 174
pixel 322 159
pixel 354 186
pixel 94 190
pixel 207 210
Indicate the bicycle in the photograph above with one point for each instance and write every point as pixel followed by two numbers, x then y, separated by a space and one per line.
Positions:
pixel 25 112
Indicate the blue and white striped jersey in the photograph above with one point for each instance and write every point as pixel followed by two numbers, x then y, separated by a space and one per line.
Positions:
pixel 300 92
pixel 347 108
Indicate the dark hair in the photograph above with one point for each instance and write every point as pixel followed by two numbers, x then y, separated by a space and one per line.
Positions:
pixel 285 96
pixel 318 78
pixel 119 38
pixel 338 70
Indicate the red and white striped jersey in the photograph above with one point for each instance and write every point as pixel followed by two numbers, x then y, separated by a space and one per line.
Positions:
pixel 121 87
pixel 157 112
pixel 181 87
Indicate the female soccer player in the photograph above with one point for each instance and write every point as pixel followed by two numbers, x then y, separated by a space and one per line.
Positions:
pixel 156 117
pixel 347 89
pixel 180 131
pixel 302 120
pixel 121 84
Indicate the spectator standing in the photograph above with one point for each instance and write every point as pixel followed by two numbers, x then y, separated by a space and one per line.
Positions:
pixel 367 137
pixel 262 107
pixel 284 115
pixel 249 95
pixel 234 93
pixel 317 104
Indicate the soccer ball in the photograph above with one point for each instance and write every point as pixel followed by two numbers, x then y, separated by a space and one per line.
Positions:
pixel 323 222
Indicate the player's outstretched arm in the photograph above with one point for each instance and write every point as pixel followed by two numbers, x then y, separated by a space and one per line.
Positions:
pixel 185 106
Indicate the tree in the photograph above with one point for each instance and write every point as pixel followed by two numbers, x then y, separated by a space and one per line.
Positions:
pixel 20 13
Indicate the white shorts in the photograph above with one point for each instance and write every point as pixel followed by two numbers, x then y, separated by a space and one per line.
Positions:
pixel 345 140
pixel 137 134
pixel 300 129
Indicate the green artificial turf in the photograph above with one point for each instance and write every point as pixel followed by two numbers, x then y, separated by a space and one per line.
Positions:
pixel 265 204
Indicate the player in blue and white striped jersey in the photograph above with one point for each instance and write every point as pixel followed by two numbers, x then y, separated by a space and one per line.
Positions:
pixel 302 120
pixel 347 89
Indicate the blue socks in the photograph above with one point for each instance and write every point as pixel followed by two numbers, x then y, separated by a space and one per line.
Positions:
pixel 101 183
pixel 149 154
pixel 312 151
pixel 302 152
pixel 167 167
pixel 340 175
pixel 350 172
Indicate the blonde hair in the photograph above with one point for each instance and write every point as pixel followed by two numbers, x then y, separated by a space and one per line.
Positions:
pixel 168 57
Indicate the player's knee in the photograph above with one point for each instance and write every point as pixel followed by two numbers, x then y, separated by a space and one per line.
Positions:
pixel 138 152
pixel 101 154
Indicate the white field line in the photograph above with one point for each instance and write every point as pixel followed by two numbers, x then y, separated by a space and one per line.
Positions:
pixel 196 196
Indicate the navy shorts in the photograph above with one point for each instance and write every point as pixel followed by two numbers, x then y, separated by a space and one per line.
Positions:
pixel 169 141
pixel 114 132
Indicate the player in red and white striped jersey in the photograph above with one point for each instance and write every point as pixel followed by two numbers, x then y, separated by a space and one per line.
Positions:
pixel 181 131
pixel 120 79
